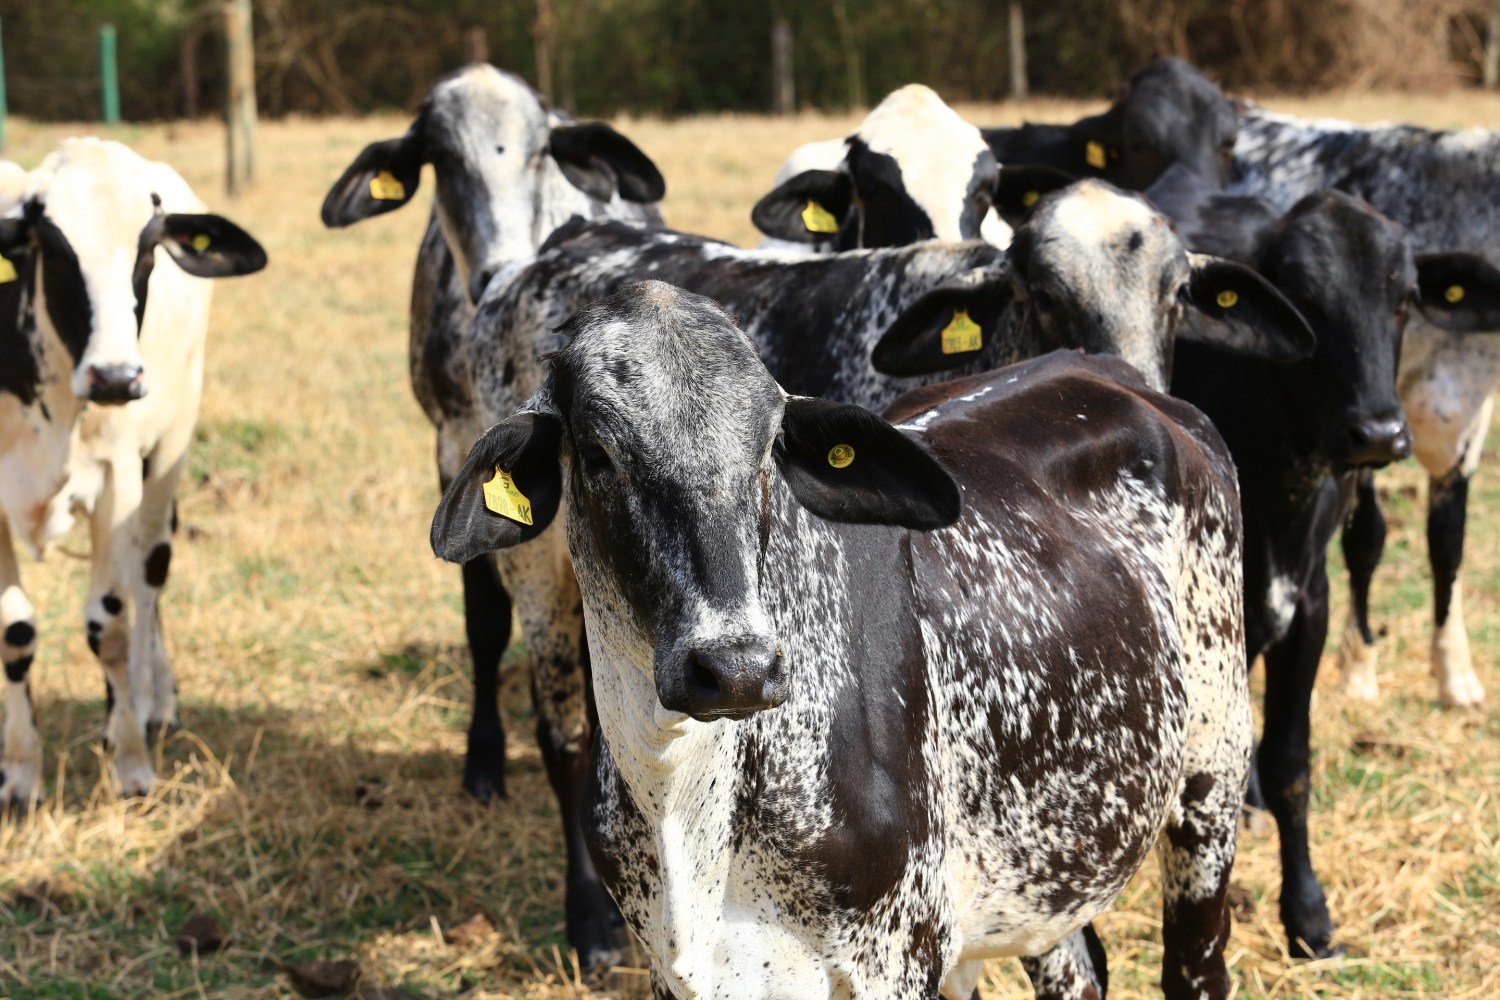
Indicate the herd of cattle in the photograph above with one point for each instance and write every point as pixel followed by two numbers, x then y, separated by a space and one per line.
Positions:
pixel 838 704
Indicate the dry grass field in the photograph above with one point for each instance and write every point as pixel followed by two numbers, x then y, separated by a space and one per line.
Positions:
pixel 311 805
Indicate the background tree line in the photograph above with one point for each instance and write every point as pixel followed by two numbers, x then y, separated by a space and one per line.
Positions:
pixel 684 56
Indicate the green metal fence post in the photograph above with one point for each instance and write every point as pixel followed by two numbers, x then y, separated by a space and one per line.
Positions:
pixel 109 75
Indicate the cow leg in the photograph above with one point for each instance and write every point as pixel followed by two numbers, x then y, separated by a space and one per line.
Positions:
pixel 156 699
pixel 107 621
pixel 1363 542
pixel 21 758
pixel 1447 503
pixel 962 982
pixel 1291 670
pixel 487 625
pixel 559 689
pixel 1196 856
pixel 1075 969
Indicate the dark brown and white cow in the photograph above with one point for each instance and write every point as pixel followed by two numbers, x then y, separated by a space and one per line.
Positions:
pixel 845 754
pixel 913 170
pixel 99 389
pixel 508 170
pixel 1444 189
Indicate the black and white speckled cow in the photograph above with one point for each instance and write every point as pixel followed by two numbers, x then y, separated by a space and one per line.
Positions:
pixel 845 755
pixel 1444 189
pixel 99 392
pixel 1303 435
pixel 509 169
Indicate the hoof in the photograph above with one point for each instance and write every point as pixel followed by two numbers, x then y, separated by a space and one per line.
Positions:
pixel 1299 947
pixel 1356 663
pixel 1461 692
pixel 484 787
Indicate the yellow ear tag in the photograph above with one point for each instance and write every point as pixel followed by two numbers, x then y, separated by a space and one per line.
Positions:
pixel 1094 153
pixel 1455 293
pixel 962 334
pixel 1227 298
pixel 7 271
pixel 502 497
pixel 818 219
pixel 201 242
pixel 840 456
pixel 385 187
pixel 1030 198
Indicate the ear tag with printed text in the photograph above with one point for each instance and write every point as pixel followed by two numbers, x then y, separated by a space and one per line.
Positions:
pixel 962 334
pixel 818 219
pixel 7 271
pixel 840 456
pixel 1094 153
pixel 1454 294
pixel 502 497
pixel 385 187
pixel 1227 298
pixel 201 242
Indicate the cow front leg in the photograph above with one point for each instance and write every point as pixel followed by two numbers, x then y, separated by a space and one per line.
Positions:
pixel 21 758
pixel 487 626
pixel 1452 665
pixel 1197 854
pixel 156 699
pixel 1075 968
pixel 1291 670
pixel 1363 543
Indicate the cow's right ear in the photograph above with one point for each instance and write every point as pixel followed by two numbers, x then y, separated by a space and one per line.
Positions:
pixel 507 492
pixel 381 179
pixel 15 279
pixel 599 161
pixel 1240 311
pixel 805 209
pixel 944 329
pixel 1018 189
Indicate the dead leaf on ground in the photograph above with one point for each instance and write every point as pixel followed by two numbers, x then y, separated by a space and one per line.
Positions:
pixel 1369 741
pixel 323 979
pixel 48 897
pixel 471 932
pixel 201 932
pixel 386 993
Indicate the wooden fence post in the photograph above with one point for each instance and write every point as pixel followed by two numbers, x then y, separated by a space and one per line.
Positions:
pixel 476 44
pixel 240 111
pixel 1019 89
pixel 1492 46
pixel 783 86
pixel 542 36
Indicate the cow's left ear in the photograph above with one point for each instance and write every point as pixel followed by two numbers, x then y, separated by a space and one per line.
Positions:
pixel 844 463
pixel 1459 292
pixel 944 329
pixel 599 161
pixel 1018 189
pixel 210 246
pixel 507 492
pixel 382 178
pixel 1240 311
pixel 806 208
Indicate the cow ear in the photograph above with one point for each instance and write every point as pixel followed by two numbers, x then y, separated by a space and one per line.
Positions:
pixel 1019 188
pixel 599 161
pixel 507 492
pixel 1240 311
pixel 943 329
pixel 382 178
pixel 844 463
pixel 15 281
pixel 210 246
pixel 1460 291
pixel 806 208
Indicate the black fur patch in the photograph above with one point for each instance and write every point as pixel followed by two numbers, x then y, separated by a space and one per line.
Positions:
pixel 157 564
pixel 112 604
pixel 15 671
pixel 20 634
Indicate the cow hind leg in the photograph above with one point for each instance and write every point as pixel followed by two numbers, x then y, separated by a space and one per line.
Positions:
pixel 21 756
pixel 1197 854
pixel 487 625
pixel 1452 664
pixel 1363 543
pixel 1075 969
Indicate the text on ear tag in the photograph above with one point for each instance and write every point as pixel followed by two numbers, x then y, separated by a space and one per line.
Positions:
pixel 962 334
pixel 1094 153
pixel 385 187
pixel 1455 293
pixel 7 271
pixel 201 242
pixel 818 219
pixel 1030 198
pixel 502 497
pixel 1227 298
pixel 840 455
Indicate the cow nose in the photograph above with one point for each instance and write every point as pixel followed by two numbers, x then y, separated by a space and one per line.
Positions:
pixel 730 681
pixel 1378 442
pixel 116 383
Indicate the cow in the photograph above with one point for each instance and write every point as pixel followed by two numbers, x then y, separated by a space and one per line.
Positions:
pixel 1444 189
pixel 1167 112
pixel 1304 436
pixel 857 736
pixel 101 372
pixel 912 170
pixel 508 170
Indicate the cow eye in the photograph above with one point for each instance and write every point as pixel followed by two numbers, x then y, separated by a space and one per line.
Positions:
pixel 500 150
pixel 595 460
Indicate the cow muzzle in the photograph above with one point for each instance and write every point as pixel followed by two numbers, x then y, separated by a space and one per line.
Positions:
pixel 733 680
pixel 115 384
pixel 1376 442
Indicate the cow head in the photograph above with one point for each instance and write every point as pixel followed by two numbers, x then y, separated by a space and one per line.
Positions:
pixel 1097 269
pixel 79 252
pixel 1350 271
pixel 913 170
pixel 495 148
pixel 665 433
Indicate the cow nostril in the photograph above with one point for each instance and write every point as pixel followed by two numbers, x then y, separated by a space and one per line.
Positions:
pixel 703 682
pixel 116 383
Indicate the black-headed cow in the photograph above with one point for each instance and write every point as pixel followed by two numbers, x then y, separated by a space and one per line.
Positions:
pixel 508 169
pixel 843 753
pixel 102 331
